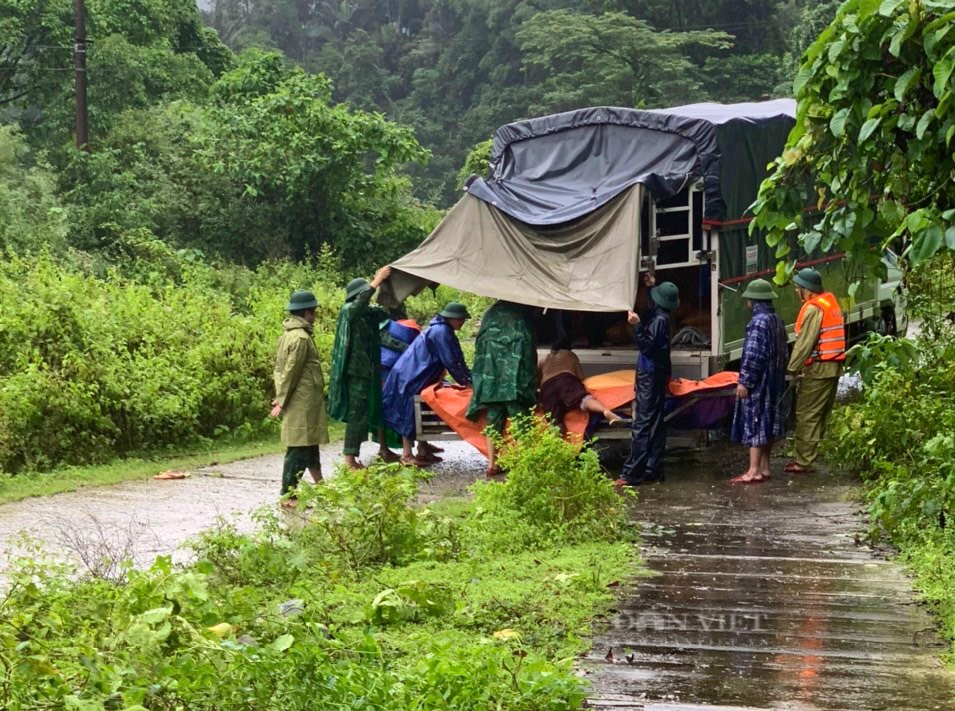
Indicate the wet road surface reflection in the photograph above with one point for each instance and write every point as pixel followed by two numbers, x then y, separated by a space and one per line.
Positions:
pixel 761 597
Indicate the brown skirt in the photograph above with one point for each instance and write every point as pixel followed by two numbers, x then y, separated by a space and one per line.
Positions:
pixel 561 394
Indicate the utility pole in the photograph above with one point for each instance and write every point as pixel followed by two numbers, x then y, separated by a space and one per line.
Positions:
pixel 79 66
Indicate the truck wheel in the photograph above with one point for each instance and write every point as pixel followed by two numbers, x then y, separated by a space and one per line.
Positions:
pixel 887 324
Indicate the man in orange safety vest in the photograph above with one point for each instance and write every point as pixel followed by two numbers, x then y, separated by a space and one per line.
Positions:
pixel 817 358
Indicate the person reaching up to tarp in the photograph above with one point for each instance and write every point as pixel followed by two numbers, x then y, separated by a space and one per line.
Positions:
pixel 421 365
pixel 354 394
pixel 652 336
pixel 505 370
pixel 562 387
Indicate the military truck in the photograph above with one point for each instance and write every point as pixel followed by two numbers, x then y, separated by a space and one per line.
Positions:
pixel 578 205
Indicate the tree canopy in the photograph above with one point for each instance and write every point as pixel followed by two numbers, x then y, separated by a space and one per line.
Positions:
pixel 872 145
pixel 455 70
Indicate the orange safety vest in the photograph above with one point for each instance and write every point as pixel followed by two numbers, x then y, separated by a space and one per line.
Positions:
pixel 831 343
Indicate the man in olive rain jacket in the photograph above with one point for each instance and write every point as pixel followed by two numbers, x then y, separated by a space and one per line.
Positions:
pixel 300 394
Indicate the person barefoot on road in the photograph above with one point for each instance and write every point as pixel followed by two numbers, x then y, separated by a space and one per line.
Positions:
pixel 299 395
pixel 758 419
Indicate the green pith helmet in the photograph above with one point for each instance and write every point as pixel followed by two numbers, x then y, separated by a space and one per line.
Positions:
pixel 356 287
pixel 809 279
pixel 666 295
pixel 301 301
pixel 760 290
pixel 455 310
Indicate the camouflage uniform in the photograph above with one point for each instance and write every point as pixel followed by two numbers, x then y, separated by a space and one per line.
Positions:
pixel 354 395
pixel 505 365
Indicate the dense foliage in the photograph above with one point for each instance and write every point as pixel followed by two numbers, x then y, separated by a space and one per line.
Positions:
pixel 900 439
pixel 362 601
pixel 873 142
pixel 456 70
pixel 560 492
pixel 94 367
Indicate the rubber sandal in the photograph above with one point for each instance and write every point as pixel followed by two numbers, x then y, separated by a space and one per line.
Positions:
pixel 389 457
pixel 794 468
pixel 746 479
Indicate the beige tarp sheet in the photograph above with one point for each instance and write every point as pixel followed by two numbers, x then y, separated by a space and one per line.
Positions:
pixel 590 265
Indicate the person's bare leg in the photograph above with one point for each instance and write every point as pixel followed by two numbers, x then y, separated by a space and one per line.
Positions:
pixel 316 474
pixel 408 457
pixel 492 468
pixel 385 454
pixel 351 461
pixel 764 453
pixel 751 475
pixel 426 453
pixel 592 404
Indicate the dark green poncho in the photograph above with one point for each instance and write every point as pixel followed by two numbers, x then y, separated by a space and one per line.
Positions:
pixel 356 355
pixel 505 359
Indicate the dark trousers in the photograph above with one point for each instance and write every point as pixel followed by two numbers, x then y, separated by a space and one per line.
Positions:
pixel 356 429
pixel 649 435
pixel 297 460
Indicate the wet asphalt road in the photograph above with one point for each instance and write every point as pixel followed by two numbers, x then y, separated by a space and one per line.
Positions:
pixel 762 597
pixel 147 518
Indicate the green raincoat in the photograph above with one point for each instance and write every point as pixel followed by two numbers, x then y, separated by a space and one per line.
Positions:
pixel 356 357
pixel 299 386
pixel 505 360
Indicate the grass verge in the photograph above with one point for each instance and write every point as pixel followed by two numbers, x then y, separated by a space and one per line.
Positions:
pixel 358 599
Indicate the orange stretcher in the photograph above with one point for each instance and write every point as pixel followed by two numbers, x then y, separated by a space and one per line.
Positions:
pixel 614 390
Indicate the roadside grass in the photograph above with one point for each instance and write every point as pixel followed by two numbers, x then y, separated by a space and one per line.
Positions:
pixel 357 598
pixel 932 559
pixel 29 484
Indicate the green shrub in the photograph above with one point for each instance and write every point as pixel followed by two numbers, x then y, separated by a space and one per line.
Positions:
pixel 168 353
pixel 900 439
pixel 363 518
pixel 555 493
pixel 32 217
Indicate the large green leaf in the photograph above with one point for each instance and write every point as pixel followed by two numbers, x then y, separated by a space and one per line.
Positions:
pixel 950 238
pixel 838 123
pixel 926 244
pixel 867 128
pixel 943 72
pixel 888 7
pixel 905 82
pixel 923 123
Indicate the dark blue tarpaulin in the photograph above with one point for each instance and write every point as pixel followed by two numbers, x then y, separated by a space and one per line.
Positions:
pixel 554 169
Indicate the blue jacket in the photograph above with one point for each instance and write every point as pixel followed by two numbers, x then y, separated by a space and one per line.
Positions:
pixel 431 353
pixel 652 337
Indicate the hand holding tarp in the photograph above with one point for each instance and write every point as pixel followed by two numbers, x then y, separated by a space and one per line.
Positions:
pixel 380 276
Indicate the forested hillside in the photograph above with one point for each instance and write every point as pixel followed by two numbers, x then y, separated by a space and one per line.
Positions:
pixel 456 69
